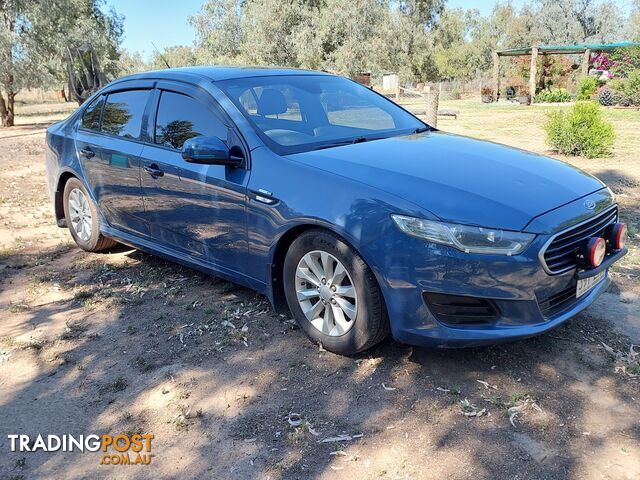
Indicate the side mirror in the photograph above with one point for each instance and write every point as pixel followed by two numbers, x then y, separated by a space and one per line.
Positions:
pixel 209 151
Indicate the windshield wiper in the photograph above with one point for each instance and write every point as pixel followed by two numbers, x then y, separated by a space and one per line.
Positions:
pixel 421 130
pixel 344 142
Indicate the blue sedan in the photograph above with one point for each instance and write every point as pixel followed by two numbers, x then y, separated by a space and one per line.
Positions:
pixel 335 203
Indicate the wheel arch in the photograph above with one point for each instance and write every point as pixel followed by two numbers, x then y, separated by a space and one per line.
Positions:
pixel 59 194
pixel 280 252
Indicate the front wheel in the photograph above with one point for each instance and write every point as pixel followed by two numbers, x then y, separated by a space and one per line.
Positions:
pixel 82 218
pixel 333 294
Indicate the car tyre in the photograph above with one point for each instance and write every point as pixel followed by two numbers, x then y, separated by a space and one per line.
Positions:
pixel 314 283
pixel 82 218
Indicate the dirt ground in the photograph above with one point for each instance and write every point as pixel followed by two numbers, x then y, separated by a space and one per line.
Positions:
pixel 124 342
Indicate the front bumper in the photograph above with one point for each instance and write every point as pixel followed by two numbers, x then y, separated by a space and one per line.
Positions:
pixel 529 301
pixel 509 328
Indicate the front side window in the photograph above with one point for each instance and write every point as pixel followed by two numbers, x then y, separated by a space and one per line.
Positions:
pixel 297 113
pixel 123 113
pixel 181 117
pixel 91 116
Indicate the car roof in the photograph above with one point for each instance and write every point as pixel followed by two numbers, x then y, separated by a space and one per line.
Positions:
pixel 217 73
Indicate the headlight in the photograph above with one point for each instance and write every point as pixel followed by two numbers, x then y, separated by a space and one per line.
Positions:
pixel 465 237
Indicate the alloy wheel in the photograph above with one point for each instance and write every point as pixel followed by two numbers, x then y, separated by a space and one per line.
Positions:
pixel 326 293
pixel 80 214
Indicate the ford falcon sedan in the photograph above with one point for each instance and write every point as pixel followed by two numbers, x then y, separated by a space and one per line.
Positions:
pixel 335 203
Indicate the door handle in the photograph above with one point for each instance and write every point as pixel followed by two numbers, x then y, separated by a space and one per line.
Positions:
pixel 87 152
pixel 153 170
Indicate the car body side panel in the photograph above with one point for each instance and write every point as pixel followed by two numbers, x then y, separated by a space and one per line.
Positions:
pixel 113 176
pixel 198 209
pixel 307 196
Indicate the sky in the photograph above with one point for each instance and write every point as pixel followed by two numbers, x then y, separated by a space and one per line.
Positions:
pixel 165 22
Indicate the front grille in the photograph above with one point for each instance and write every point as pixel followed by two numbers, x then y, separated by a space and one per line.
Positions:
pixel 558 302
pixel 561 254
pixel 457 310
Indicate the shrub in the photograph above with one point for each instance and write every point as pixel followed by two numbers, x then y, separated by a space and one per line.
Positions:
pixel 606 96
pixel 627 90
pixel 558 95
pixel 587 88
pixel 625 61
pixel 580 130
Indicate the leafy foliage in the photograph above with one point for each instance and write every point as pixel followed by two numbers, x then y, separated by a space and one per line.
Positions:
pixel 580 130
pixel 627 90
pixel 587 88
pixel 606 96
pixel 625 61
pixel 47 43
pixel 557 95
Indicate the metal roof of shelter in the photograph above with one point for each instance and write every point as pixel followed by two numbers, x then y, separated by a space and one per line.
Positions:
pixel 567 49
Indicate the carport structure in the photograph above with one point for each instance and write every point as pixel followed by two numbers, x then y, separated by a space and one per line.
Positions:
pixel 585 49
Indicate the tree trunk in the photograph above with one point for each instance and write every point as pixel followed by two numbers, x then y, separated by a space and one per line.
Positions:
pixel 7 109
pixel 3 112
pixel 11 101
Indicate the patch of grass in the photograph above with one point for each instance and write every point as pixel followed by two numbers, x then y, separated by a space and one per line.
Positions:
pixel 83 295
pixel 183 419
pixel 518 397
pixel 119 384
pixel 226 287
pixel 497 402
pixel 19 307
pixel 73 330
pixel 143 364
pixel 43 277
pixel 136 429
pixel 634 369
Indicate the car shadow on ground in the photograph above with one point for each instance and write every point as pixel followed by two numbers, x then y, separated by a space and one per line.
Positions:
pixel 230 389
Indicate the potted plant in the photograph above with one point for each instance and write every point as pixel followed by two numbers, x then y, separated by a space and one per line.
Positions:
pixel 487 94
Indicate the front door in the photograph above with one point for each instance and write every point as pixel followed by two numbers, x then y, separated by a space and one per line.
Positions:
pixel 198 210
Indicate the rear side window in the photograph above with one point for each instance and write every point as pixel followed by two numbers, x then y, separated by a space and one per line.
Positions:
pixel 91 116
pixel 123 113
pixel 181 117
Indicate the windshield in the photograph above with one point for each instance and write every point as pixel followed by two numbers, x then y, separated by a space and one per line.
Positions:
pixel 298 113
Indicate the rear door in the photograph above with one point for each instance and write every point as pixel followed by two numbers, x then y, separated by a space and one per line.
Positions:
pixel 196 209
pixel 109 144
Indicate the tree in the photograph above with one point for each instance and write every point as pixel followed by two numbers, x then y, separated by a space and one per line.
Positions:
pixel 43 43
pixel 633 25
pixel 19 66
pixel 456 55
pixel 177 56
pixel 345 37
pixel 219 31
pixel 79 41
pixel 577 21
pixel 131 62
pixel 269 27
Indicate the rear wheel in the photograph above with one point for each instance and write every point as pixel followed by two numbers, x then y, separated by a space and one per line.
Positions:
pixel 82 218
pixel 333 294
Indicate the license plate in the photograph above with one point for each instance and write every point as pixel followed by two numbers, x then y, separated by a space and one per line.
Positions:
pixel 586 284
